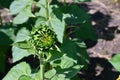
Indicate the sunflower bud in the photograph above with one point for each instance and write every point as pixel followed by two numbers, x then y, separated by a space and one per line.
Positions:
pixel 43 37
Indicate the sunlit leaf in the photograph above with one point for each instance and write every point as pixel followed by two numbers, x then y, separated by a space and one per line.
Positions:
pixel 23 45
pixel 66 62
pixel 19 53
pixel 24 77
pixel 59 77
pixel 49 74
pixel 17 71
pixel 23 16
pixel 18 5
pixel 22 35
pixel 20 18
pixel 115 61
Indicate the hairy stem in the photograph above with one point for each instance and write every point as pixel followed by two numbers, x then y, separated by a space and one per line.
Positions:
pixel 47 9
pixel 42 64
pixel 42 61
pixel 41 71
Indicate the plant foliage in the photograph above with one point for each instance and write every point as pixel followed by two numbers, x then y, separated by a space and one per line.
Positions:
pixel 53 32
pixel 115 61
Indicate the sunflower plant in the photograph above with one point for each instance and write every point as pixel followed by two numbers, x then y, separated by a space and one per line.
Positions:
pixel 53 32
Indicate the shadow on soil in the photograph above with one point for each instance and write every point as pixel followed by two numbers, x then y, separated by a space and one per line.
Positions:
pixel 101 18
pixel 99 69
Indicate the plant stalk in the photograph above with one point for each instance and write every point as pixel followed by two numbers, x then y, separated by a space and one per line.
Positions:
pixel 41 71
pixel 42 61
pixel 47 9
pixel 42 64
pixel 64 3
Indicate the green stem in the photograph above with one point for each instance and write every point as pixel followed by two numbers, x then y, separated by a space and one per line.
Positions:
pixel 42 64
pixel 41 71
pixel 64 3
pixel 47 9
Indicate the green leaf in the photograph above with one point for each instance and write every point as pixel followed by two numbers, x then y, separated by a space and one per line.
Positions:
pixel 83 56
pixel 59 77
pixel 49 74
pixel 22 35
pixel 82 53
pixel 41 3
pixel 27 11
pixel 71 72
pixel 17 71
pixel 20 18
pixel 74 51
pixel 23 16
pixel 66 62
pixel 58 27
pixel 55 57
pixel 19 53
pixel 23 8
pixel 115 61
pixel 5 40
pixel 69 48
pixel 24 77
pixel 7 35
pixel 63 64
pixel 81 44
pixel 42 12
pixel 21 48
pixel 55 20
pixel 74 14
pixel 18 5
pixel 68 72
pixel 86 31
pixel 23 45
pixel 56 24
pixel 40 21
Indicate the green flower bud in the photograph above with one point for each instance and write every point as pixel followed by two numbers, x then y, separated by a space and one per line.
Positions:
pixel 43 37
